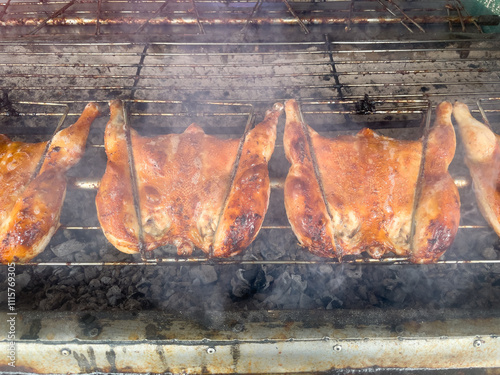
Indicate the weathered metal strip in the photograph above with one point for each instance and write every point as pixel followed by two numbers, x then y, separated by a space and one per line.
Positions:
pixel 256 343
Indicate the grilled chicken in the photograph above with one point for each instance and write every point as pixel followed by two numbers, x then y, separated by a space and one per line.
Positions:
pixel 30 204
pixel 352 194
pixel 482 157
pixel 186 194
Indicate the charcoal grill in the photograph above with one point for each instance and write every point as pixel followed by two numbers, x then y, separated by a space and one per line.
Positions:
pixel 382 64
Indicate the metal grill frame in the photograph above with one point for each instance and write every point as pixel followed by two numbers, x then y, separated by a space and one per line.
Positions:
pixel 148 259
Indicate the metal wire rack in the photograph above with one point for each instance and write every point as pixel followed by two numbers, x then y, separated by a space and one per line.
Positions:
pixel 312 109
pixel 250 72
pixel 343 85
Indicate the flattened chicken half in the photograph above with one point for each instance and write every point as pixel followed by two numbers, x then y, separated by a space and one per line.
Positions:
pixel 186 195
pixel 30 205
pixel 482 157
pixel 360 197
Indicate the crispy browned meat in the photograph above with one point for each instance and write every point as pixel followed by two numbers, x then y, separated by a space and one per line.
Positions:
pixel 30 205
pixel 368 182
pixel 183 180
pixel 482 156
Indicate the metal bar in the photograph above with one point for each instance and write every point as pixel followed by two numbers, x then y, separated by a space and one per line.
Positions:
pixel 98 20
pixel 253 44
pixel 317 173
pixel 299 21
pixel 332 64
pixel 276 183
pixel 243 65
pixel 421 102
pixel 137 76
pixel 228 261
pixel 135 187
pixel 158 11
pixel 406 16
pixel 351 10
pixel 280 87
pixel 461 6
pixel 394 14
pixel 264 227
pixel 251 118
pixel 4 10
pixel 335 74
pixel 333 68
pixel 483 114
pixel 460 17
pixel 450 25
pixel 309 21
pixel 420 178
pixel 249 19
pixel 195 9
pixel 258 53
pixel 47 146
pixel 52 16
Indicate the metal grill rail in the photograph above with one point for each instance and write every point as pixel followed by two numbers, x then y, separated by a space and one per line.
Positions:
pixel 135 17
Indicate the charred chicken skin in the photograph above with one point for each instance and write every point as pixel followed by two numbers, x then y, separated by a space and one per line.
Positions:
pixel 186 196
pixel 482 157
pixel 353 194
pixel 30 205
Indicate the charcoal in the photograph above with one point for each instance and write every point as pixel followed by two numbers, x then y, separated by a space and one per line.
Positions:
pixel 143 287
pixel 42 270
pixel 489 253
pixel 156 291
pixel 334 304
pixel 124 281
pixel 66 248
pixel 3 297
pixel 68 281
pixel 83 257
pixel 95 284
pixel 136 277
pixel 275 247
pixel 132 305
pixel 22 280
pixel 106 280
pixel 353 271
pixel 90 273
pixel 306 302
pixel 54 302
pixel 240 286
pixel 131 290
pixel 206 274
pixel 114 295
